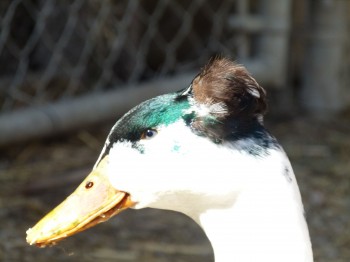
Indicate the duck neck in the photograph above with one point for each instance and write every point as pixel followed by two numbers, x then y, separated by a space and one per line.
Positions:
pixel 258 228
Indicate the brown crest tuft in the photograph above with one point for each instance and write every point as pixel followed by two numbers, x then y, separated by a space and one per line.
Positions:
pixel 223 81
pixel 235 100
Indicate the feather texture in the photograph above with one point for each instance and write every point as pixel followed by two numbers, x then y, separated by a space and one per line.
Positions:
pixel 229 100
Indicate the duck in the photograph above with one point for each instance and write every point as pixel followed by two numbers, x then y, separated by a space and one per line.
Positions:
pixel 202 151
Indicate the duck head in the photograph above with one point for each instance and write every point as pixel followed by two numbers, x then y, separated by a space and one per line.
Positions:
pixel 169 152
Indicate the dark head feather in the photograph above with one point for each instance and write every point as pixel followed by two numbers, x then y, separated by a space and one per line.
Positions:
pixel 223 81
pixel 230 86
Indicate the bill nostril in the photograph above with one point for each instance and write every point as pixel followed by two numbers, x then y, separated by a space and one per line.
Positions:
pixel 89 185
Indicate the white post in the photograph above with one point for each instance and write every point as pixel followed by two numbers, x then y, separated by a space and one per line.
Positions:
pixel 326 72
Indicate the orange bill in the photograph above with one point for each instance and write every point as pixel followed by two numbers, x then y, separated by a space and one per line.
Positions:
pixel 94 201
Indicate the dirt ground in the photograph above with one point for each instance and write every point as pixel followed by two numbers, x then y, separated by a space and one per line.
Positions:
pixel 36 176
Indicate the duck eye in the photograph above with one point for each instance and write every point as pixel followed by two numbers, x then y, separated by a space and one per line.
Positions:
pixel 149 133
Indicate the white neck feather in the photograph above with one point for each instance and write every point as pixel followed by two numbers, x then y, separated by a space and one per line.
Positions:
pixel 262 221
pixel 261 225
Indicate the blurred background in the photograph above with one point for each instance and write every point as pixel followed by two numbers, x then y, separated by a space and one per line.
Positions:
pixel 69 69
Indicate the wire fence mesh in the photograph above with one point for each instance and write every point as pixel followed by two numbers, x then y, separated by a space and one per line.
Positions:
pixel 51 50
pixel 57 58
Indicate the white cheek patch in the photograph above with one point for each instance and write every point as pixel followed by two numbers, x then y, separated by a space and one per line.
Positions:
pixel 175 160
pixel 123 159
pixel 147 175
pixel 142 175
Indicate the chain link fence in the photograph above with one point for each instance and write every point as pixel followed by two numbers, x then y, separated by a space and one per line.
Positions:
pixel 53 51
